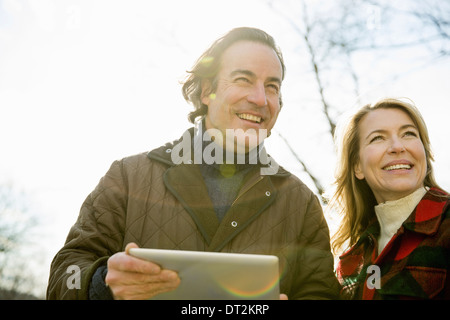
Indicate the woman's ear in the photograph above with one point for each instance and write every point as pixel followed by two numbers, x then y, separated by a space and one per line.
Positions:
pixel 206 92
pixel 358 172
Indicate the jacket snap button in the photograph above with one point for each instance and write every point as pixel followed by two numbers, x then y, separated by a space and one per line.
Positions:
pixel 168 150
pixel 268 193
pixel 234 224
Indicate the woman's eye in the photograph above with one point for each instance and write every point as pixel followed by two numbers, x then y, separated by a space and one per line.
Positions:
pixel 410 133
pixel 376 138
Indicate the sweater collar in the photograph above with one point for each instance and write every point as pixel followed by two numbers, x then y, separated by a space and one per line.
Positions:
pixel 426 217
pixel 391 214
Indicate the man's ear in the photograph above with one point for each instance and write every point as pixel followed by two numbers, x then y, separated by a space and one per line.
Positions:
pixel 358 172
pixel 206 92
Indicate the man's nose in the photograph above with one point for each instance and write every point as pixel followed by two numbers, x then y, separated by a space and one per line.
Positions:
pixel 257 95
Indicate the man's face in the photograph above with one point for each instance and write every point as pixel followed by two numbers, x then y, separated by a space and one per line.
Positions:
pixel 247 94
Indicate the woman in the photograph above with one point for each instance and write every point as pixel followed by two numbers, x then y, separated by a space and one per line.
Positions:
pixel 395 217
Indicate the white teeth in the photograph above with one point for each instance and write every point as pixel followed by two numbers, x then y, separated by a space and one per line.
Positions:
pixel 398 166
pixel 249 117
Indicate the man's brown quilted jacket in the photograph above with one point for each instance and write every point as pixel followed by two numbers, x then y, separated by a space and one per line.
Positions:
pixel 149 200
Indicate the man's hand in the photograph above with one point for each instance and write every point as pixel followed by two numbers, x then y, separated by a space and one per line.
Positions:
pixel 131 278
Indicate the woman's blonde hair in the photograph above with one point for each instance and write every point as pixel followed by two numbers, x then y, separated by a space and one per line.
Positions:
pixel 353 199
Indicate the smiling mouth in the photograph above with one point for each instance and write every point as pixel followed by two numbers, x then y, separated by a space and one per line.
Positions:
pixel 249 117
pixel 398 167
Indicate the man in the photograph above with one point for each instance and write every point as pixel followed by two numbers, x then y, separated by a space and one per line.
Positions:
pixel 213 190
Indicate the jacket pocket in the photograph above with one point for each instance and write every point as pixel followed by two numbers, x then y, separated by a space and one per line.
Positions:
pixel 416 282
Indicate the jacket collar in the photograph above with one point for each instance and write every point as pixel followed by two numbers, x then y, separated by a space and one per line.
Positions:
pixel 174 150
pixel 427 216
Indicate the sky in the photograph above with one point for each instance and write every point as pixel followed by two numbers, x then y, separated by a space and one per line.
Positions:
pixel 83 83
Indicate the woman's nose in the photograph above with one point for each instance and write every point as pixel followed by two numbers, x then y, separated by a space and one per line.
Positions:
pixel 397 146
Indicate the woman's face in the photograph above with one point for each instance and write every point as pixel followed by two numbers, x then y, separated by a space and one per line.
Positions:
pixel 392 157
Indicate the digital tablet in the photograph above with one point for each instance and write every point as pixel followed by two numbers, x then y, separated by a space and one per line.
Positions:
pixel 216 275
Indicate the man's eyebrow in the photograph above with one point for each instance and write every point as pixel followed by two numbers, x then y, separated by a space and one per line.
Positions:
pixel 253 75
pixel 274 79
pixel 243 71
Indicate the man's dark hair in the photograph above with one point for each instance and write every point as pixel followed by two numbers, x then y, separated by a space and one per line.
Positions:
pixel 208 65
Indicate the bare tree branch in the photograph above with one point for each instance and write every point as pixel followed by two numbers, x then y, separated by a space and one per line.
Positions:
pixel 305 34
pixel 333 34
pixel 312 53
pixel 316 181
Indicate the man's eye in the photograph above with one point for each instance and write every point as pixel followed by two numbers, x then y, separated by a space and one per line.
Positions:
pixel 274 87
pixel 242 79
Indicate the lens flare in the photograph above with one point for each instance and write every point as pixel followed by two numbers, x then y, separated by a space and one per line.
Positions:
pixel 257 292
pixel 244 287
pixel 207 61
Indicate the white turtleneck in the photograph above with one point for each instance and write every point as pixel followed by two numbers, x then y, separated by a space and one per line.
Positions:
pixel 391 215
